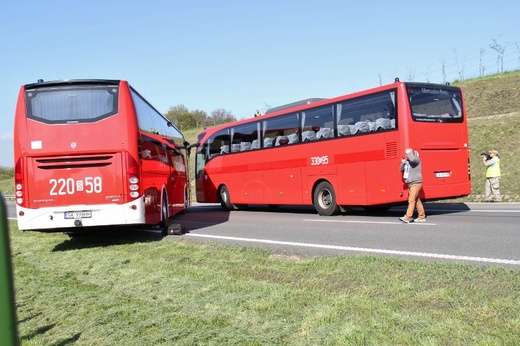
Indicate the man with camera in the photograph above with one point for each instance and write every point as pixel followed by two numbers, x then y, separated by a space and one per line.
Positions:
pixel 412 175
pixel 492 162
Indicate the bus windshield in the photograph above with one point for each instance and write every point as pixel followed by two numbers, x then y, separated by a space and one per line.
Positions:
pixel 71 104
pixel 435 104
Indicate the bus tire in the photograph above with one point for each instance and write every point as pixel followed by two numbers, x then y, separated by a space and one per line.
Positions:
pixel 325 199
pixel 224 199
pixel 164 214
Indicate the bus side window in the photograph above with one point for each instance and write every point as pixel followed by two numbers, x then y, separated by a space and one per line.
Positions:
pixel 243 136
pixel 219 143
pixel 365 114
pixel 284 130
pixel 317 123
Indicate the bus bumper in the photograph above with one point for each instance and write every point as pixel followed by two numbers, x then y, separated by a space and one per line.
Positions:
pixel 55 218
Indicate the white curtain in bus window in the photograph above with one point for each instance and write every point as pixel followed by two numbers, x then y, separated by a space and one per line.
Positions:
pixel 280 128
pixel 317 123
pixel 366 114
pixel 67 105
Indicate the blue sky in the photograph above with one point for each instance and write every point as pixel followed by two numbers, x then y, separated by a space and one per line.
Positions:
pixel 243 55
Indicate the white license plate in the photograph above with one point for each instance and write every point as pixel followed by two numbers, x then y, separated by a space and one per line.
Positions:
pixel 442 174
pixel 84 214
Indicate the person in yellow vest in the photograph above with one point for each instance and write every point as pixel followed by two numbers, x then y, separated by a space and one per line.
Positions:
pixel 492 163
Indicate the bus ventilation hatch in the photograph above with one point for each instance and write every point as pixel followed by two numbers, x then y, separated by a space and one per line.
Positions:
pixel 74 162
pixel 391 149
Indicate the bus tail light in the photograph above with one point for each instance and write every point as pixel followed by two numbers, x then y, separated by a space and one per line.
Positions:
pixel 18 183
pixel 132 177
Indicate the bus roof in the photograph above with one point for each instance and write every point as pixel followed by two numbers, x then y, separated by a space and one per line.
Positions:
pixel 41 83
pixel 294 104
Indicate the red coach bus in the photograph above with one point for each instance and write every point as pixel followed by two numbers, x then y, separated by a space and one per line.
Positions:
pixel 95 153
pixel 339 152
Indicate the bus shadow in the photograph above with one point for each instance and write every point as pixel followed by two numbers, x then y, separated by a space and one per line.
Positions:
pixel 432 208
pixel 104 236
pixel 194 218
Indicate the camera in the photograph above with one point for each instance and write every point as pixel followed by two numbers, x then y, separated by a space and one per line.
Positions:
pixel 488 157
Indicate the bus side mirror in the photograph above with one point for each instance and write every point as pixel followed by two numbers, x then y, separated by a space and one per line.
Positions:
pixel 190 146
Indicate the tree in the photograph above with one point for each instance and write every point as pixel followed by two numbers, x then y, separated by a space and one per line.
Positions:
pixel 200 117
pixel 181 117
pixel 497 47
pixel 222 116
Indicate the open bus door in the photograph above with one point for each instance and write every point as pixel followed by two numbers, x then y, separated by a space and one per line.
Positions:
pixel 8 321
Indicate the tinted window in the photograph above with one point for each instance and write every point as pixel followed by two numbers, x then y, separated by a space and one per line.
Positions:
pixel 317 123
pixel 245 137
pixel 219 143
pixel 281 130
pixel 369 113
pixel 151 121
pixel 435 104
pixel 71 104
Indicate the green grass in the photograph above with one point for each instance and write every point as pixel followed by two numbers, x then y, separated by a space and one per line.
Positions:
pixel 141 289
pixel 7 186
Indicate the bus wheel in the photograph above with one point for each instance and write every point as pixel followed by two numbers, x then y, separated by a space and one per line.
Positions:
pixel 224 199
pixel 325 199
pixel 164 214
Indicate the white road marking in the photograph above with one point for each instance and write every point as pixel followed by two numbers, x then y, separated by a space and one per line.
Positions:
pixel 360 249
pixel 371 222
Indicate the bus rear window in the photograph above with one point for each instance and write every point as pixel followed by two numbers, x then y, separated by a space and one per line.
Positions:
pixel 430 104
pixel 62 105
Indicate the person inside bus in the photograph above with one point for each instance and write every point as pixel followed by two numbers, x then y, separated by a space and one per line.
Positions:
pixel 412 175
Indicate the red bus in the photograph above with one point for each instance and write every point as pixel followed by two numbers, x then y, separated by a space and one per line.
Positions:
pixel 95 153
pixel 340 152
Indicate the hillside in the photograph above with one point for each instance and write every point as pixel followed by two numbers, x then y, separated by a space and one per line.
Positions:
pixel 493 106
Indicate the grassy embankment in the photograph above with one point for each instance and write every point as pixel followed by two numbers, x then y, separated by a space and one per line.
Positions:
pixel 142 289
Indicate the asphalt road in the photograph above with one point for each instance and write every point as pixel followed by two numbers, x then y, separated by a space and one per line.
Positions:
pixel 483 234
pixel 473 233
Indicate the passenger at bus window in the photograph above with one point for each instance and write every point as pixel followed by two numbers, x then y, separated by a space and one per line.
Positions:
pixel 411 167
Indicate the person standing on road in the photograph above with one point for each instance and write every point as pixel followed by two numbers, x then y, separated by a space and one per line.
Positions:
pixel 492 163
pixel 412 175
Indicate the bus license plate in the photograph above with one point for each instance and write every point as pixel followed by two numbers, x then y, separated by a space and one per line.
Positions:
pixel 442 174
pixel 84 214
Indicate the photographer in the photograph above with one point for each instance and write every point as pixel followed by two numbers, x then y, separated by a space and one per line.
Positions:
pixel 492 162
pixel 412 175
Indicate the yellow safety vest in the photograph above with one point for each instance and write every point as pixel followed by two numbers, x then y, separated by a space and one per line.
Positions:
pixel 493 170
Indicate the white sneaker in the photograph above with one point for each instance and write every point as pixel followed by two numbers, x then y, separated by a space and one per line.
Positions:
pixel 420 220
pixel 405 220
